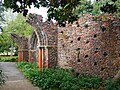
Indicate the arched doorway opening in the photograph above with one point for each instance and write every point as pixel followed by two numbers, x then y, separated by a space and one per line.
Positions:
pixel 38 50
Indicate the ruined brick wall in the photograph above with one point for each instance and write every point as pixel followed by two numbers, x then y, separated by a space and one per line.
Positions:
pixel 43 42
pixel 91 45
pixel 22 43
pixel 51 31
pixel 33 52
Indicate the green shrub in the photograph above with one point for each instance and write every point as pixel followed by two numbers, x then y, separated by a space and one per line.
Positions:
pixel 8 59
pixel 112 85
pixel 57 78
pixel 89 82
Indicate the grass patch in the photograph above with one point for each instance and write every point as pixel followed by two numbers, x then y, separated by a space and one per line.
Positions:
pixel 8 58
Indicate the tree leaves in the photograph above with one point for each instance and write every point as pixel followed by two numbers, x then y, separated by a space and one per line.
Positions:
pixel 66 10
pixel 18 26
pixel 2 20
pixel 110 8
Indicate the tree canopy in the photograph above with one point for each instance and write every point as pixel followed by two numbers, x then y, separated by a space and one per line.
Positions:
pixel 2 19
pixel 98 7
pixel 18 26
pixel 63 10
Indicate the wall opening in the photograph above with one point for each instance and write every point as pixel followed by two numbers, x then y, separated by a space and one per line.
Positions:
pixel 87 42
pixel 96 48
pixel 71 41
pixel 105 54
pixel 61 32
pixel 86 56
pixel 63 45
pixel 95 36
pixel 78 60
pixel 103 29
pixel 78 38
pixel 95 63
pixel 102 68
pixel 96 51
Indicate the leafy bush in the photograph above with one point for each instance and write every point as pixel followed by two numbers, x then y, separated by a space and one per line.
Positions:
pixel 112 85
pixel 8 59
pixel 57 79
pixel 2 78
pixel 89 82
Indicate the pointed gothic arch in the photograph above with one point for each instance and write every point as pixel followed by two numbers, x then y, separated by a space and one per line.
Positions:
pixel 38 43
pixel 42 42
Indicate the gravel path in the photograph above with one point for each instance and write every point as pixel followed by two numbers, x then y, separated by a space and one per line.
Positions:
pixel 15 80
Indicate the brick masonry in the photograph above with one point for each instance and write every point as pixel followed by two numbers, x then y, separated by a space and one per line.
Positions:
pixel 91 45
pixel 22 42
pixel 43 41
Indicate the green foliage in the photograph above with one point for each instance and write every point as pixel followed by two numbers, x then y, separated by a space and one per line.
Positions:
pixel 18 26
pixel 98 7
pixel 5 42
pixel 2 18
pixel 86 7
pixel 2 78
pixel 112 85
pixel 89 82
pixel 66 10
pixel 8 59
pixel 57 78
pixel 60 10
pixel 62 79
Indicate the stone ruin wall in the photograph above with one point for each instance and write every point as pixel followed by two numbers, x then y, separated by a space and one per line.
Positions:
pixel 48 42
pixel 51 31
pixel 43 40
pixel 33 41
pixel 22 43
pixel 91 45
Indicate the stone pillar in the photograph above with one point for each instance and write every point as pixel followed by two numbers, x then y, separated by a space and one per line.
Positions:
pixel 19 56
pixel 43 57
pixel 46 57
pixel 22 55
pixel 40 57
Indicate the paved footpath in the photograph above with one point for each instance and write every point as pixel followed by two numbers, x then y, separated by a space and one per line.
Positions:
pixel 15 80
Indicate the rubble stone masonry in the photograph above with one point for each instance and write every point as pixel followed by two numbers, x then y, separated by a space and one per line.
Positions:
pixel 43 42
pixel 91 45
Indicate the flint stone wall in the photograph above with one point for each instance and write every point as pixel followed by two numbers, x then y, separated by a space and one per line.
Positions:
pixel 91 45
pixel 44 38
pixel 51 31
pixel 22 43
pixel 33 49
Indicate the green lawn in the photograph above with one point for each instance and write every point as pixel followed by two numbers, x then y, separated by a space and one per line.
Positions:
pixel 8 58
